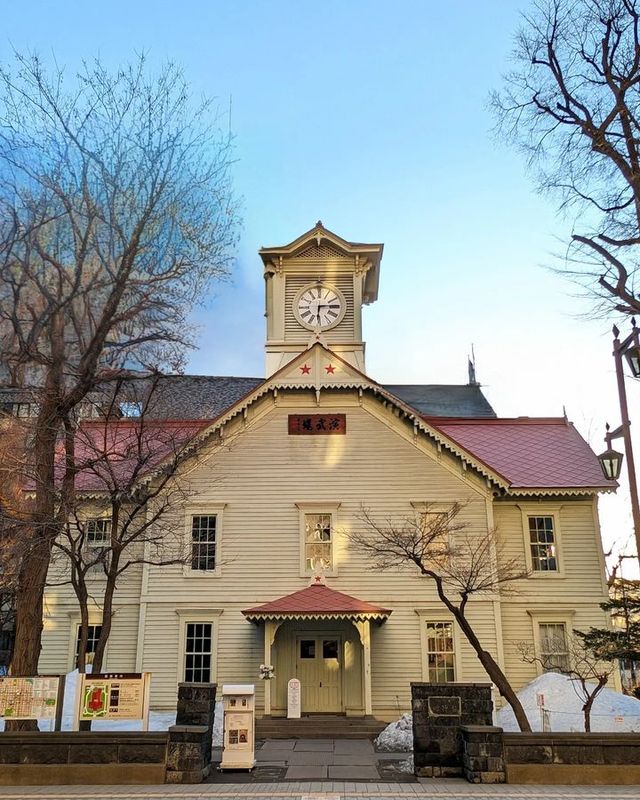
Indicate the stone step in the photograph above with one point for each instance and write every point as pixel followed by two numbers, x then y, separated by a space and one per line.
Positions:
pixel 319 728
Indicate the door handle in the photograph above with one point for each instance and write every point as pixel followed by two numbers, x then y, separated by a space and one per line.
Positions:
pixel 321 684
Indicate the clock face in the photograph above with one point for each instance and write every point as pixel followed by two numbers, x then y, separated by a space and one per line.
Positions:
pixel 319 306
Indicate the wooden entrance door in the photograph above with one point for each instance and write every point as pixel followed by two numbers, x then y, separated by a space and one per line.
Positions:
pixel 319 670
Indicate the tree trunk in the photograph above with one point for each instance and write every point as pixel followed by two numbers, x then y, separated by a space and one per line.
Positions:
pixel 107 612
pixel 491 668
pixel 35 563
pixel 29 613
pixel 586 710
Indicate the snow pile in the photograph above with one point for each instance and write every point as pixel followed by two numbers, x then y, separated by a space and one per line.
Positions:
pixel 406 766
pixel 397 737
pixel 611 711
pixel 158 720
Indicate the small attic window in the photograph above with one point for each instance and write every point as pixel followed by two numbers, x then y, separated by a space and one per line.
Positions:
pixel 130 408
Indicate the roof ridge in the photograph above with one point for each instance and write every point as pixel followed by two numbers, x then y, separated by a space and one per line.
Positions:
pixel 496 420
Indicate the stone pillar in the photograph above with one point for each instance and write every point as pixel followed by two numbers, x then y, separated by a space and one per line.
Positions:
pixel 439 710
pixel 189 748
pixel 482 754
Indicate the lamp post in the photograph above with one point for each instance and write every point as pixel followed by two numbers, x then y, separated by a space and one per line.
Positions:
pixel 611 460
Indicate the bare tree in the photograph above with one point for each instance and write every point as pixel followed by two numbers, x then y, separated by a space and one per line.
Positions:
pixel 130 470
pixel 569 656
pixel 462 564
pixel 14 533
pixel 572 104
pixel 116 213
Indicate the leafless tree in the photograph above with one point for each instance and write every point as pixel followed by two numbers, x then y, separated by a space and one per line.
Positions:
pixel 124 511
pixel 572 104
pixel 14 533
pixel 569 656
pixel 462 564
pixel 116 213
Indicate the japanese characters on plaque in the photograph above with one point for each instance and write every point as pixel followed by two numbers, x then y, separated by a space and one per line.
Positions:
pixel 113 696
pixel 317 424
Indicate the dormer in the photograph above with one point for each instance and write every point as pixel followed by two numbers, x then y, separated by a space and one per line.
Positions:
pixel 315 289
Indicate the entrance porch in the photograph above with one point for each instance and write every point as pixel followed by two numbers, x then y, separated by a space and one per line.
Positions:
pixel 322 638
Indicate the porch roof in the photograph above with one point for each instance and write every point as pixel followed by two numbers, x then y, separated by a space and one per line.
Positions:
pixel 317 602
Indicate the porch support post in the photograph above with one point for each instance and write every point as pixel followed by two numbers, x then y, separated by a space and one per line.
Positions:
pixel 364 629
pixel 270 629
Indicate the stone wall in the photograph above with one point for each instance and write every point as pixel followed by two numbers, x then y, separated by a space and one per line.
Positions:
pixel 82 757
pixel 482 754
pixel 189 750
pixel 181 755
pixel 439 711
pixel 572 758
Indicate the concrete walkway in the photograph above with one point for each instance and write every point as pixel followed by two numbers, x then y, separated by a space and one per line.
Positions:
pixel 424 789
pixel 325 759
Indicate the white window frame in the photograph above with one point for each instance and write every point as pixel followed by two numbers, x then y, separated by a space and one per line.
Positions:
pixel 209 616
pixel 435 614
pixel 330 509
pixel 97 570
pixel 213 510
pixel 531 510
pixel 559 616
pixel 74 624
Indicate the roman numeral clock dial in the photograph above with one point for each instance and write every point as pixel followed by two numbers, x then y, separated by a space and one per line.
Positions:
pixel 319 306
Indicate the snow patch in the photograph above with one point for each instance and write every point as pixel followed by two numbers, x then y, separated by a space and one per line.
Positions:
pixel 397 737
pixel 612 711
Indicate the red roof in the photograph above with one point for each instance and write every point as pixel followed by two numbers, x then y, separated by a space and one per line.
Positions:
pixel 114 454
pixel 315 600
pixel 529 453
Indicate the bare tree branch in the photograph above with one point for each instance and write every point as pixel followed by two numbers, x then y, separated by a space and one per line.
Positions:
pixel 462 563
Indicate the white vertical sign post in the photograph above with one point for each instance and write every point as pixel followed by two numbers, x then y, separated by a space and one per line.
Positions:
pixel 293 699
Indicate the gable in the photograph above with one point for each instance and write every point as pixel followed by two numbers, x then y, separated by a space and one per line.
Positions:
pixel 375 456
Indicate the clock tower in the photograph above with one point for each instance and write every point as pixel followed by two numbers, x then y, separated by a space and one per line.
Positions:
pixel 315 289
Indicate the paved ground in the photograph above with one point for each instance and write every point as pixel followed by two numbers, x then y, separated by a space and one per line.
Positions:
pixel 318 760
pixel 325 790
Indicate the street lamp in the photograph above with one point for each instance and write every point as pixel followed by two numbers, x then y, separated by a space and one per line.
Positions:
pixel 611 460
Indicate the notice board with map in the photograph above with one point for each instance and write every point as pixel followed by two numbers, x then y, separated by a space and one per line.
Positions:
pixel 37 697
pixel 114 695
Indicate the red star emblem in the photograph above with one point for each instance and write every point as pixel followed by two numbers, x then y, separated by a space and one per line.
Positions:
pixel 330 369
pixel 305 370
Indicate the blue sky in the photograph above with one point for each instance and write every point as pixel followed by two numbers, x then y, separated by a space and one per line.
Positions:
pixel 373 117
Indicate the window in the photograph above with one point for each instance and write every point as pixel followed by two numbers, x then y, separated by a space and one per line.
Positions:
pixel 198 650
pixel 319 552
pixel 203 542
pixel 307 648
pixel 318 542
pixel 98 532
pixel 97 541
pixel 554 651
pixel 94 632
pixel 440 652
pixel 542 541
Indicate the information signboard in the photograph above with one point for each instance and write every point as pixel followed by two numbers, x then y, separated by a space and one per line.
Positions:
pixel 114 695
pixel 37 697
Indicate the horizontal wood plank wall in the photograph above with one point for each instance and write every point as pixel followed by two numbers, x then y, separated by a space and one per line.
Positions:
pixel 259 473
pixel 573 595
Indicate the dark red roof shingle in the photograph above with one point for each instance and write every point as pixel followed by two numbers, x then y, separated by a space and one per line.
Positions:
pixel 316 599
pixel 528 452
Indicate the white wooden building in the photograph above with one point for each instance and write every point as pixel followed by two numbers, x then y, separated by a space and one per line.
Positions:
pixel 284 467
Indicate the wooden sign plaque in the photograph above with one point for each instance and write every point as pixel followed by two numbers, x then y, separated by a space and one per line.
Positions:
pixel 317 424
